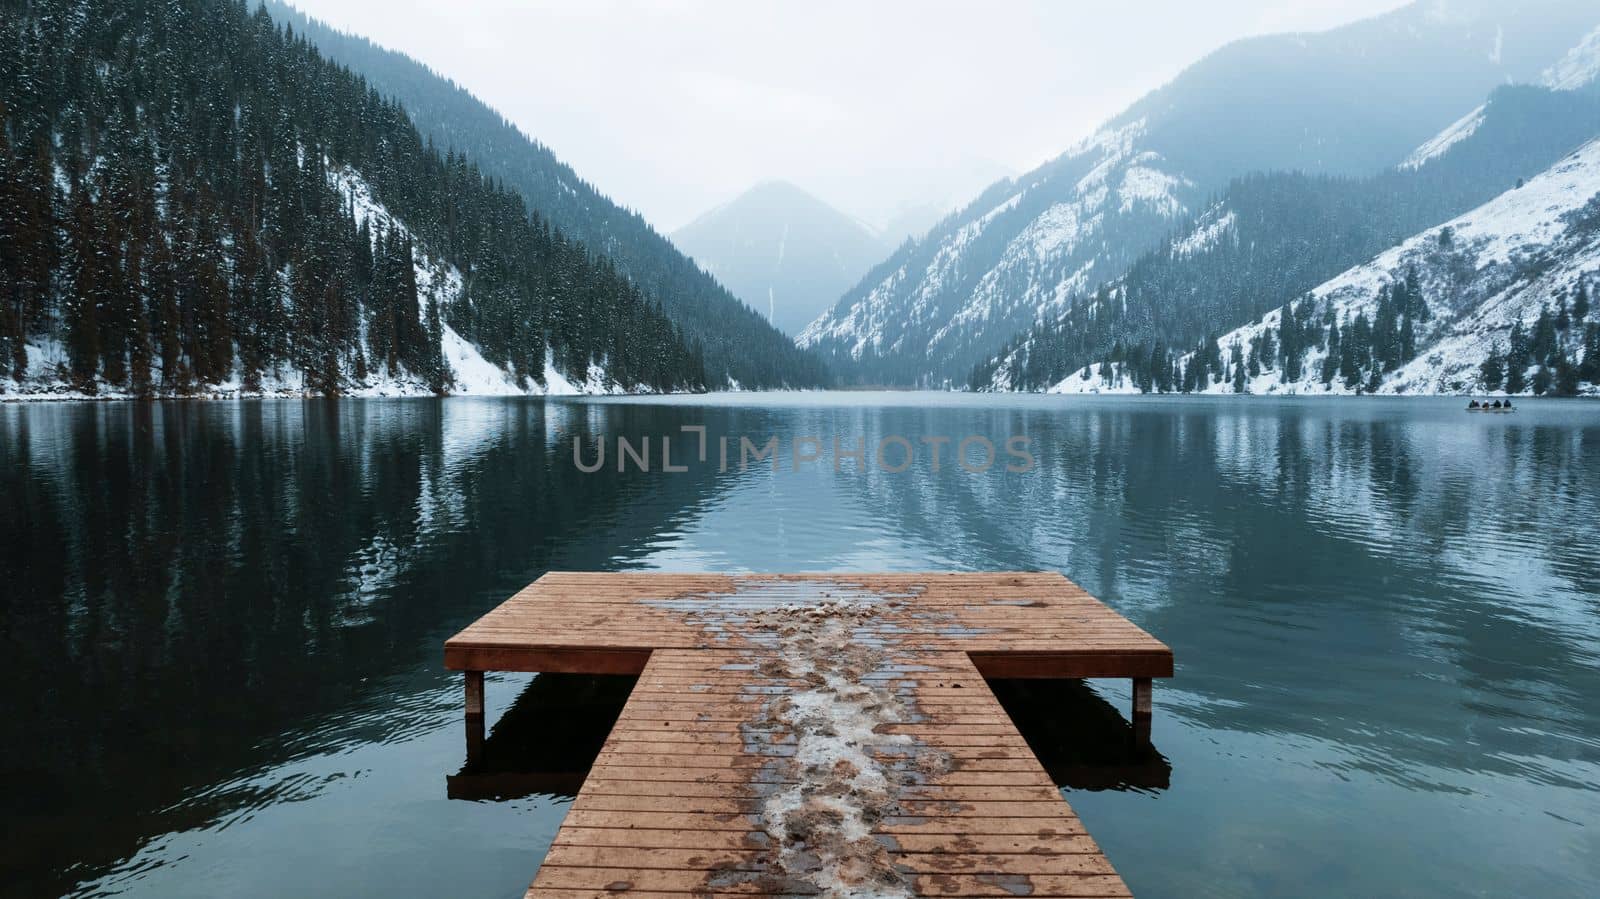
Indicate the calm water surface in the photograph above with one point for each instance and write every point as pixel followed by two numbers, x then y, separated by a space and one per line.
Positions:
pixel 221 628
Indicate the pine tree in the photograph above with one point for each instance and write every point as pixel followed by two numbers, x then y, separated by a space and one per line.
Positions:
pixel 1491 372
pixel 1542 380
pixel 1589 367
pixel 1566 378
pixel 1330 362
pixel 83 306
pixel 1292 346
pixel 1517 360
pixel 1543 344
pixel 1580 305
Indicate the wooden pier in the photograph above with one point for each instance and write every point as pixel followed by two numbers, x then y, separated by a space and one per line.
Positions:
pixel 815 734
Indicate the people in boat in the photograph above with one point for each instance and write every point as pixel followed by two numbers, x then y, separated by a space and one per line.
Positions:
pixel 1496 404
pixel 1508 402
pixel 1472 405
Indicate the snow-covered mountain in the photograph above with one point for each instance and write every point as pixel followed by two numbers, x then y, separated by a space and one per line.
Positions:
pixel 784 252
pixel 738 345
pixel 1355 100
pixel 1271 237
pixel 1508 283
pixel 310 241
pixel 1578 70
pixel 930 194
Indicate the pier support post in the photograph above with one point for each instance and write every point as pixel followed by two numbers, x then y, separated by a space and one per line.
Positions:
pixel 474 716
pixel 1142 688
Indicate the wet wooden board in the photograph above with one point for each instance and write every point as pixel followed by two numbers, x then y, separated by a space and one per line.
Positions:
pixel 686 797
pixel 675 805
pixel 1021 624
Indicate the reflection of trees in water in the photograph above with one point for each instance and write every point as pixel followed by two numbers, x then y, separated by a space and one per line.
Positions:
pixel 193 590
pixel 1354 576
pixel 190 585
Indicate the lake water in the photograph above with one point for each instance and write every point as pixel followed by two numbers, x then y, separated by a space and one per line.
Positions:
pixel 222 626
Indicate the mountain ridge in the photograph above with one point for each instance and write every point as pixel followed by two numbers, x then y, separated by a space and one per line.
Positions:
pixel 276 227
pixel 1502 297
pixel 1015 255
pixel 740 346
pixel 1272 236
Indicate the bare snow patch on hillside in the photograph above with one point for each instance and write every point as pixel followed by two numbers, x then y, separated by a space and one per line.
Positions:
pixel 1147 186
pixel 1203 237
pixel 1455 133
pixel 865 323
pixel 1578 68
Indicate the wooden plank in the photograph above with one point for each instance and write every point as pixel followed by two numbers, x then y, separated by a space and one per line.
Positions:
pixel 689 816
pixel 680 799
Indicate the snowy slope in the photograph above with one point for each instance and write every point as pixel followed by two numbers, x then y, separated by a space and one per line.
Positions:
pixel 1480 273
pixel 437 281
pixel 1579 68
pixel 472 375
pixel 1013 256
pixel 1440 143
pixel 1303 102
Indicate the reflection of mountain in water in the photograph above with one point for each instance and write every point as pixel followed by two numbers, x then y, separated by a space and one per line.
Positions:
pixel 192 589
pixel 211 611
pixel 1318 553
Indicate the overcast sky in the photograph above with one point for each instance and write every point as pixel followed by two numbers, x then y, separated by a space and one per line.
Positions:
pixel 674 106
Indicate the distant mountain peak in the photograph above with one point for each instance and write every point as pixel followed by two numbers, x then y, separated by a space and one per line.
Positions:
pixel 782 250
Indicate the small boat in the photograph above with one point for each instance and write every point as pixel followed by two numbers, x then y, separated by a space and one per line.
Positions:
pixel 1495 407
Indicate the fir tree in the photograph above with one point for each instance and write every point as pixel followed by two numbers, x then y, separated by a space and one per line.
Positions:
pixel 1542 380
pixel 1491 372
pixel 1330 362
pixel 1517 360
pixel 1566 378
pixel 1589 366
pixel 1292 346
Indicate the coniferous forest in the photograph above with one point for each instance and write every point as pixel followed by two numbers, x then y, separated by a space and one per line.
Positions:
pixel 175 213
pixel 1287 233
